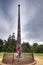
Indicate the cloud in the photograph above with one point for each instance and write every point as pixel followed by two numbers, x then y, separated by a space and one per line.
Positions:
pixel 6 21
pixel 34 28
pixel 31 19
pixel 4 26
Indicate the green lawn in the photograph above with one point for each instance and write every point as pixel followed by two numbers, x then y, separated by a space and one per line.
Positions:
pixel 7 54
pixel 38 54
pixel 1 53
pixel 35 54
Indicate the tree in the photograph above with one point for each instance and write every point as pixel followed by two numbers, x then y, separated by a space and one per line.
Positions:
pixel 1 45
pixel 40 49
pixel 11 44
pixel 35 47
pixel 26 47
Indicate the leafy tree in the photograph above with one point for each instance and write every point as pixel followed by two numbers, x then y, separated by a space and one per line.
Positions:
pixel 40 49
pixel 35 47
pixel 26 47
pixel 10 45
pixel 1 45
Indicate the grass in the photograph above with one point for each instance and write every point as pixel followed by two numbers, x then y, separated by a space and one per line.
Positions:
pixel 35 54
pixel 1 53
pixel 7 53
pixel 38 54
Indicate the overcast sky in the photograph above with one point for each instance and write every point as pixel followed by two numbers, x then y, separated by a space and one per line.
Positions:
pixel 31 19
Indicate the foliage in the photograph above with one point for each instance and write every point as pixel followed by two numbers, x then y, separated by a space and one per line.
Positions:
pixel 1 45
pixel 40 49
pixel 37 48
pixel 10 46
pixel 26 47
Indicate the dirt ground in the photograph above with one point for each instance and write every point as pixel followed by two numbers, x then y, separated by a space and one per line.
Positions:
pixel 39 60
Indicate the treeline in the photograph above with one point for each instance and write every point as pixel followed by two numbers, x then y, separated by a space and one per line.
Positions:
pixel 11 43
pixel 37 48
pixel 32 48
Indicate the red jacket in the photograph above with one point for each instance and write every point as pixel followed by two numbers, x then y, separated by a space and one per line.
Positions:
pixel 19 49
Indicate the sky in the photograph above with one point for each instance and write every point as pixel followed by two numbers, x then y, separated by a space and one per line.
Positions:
pixel 31 18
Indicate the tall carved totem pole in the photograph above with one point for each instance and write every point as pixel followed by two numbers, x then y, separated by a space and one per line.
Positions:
pixel 19 33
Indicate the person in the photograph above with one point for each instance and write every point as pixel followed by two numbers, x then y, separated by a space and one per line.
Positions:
pixel 18 52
